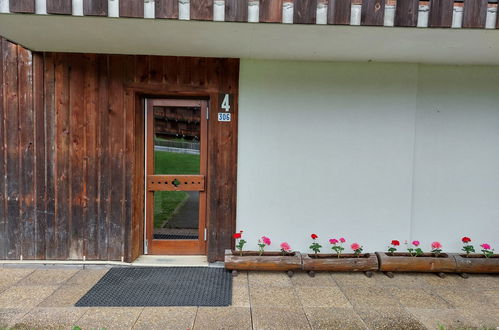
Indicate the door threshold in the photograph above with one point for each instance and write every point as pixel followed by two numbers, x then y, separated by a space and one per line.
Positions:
pixel 171 261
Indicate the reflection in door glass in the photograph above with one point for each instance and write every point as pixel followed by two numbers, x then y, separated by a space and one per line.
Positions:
pixel 176 151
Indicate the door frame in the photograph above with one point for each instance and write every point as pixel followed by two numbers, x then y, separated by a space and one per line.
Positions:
pixel 175 247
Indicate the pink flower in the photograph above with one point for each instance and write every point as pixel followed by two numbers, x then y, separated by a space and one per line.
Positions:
pixel 285 247
pixel 485 246
pixel 342 240
pixel 333 241
pixel 415 243
pixel 266 240
pixel 436 245
pixel 355 246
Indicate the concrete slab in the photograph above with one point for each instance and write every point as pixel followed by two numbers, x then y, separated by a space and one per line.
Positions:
pixel 171 261
pixel 86 277
pixel 334 318
pixel 269 279
pixel 389 318
pixel 322 297
pixel 48 277
pixel 370 297
pixel 223 318
pixel 319 280
pixel 480 317
pixel 110 317
pixel 25 296
pixel 449 318
pixel 10 316
pixel 273 296
pixel 65 296
pixel 166 318
pixel 400 280
pixel 418 298
pixel 53 318
pixel 240 296
pixel 355 279
pixel 464 297
pixel 279 318
pixel 9 276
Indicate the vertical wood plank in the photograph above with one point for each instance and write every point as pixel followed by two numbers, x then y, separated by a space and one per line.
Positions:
pixel 63 7
pixel 11 109
pixel 166 9
pixel 104 159
pixel 22 6
pixel 116 141
pixel 63 191
pixel 90 92
pixel 201 10
pixel 475 13
pixel 77 154
pixel 440 13
pixel 3 199
pixel 304 11
pixel 236 10
pixel 171 70
pixel 27 152
pixel 40 156
pixel 156 69
pixel 132 8
pixel 406 13
pixel 373 12
pixel 51 168
pixel 339 12
pixel 271 11
pixel 95 7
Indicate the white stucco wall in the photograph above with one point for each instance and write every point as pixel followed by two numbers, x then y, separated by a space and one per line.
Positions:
pixel 371 152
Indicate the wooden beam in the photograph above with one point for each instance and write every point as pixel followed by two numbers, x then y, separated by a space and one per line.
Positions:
pixel 236 10
pixel 3 195
pixel 339 11
pixel 406 13
pixel 373 12
pixel 440 13
pixel 132 8
pixel 166 9
pixel 63 7
pixel 22 6
pixel 95 7
pixel 201 10
pixel 271 11
pixel 475 13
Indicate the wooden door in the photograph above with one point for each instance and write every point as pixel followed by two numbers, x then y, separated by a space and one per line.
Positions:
pixel 176 167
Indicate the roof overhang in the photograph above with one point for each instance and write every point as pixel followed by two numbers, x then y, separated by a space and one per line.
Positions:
pixel 252 41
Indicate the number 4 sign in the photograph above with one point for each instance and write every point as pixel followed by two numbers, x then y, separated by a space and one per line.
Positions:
pixel 226 100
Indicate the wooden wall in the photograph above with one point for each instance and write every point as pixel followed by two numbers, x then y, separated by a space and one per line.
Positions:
pixel 71 150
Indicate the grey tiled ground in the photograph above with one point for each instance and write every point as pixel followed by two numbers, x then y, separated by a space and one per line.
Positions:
pixel 44 298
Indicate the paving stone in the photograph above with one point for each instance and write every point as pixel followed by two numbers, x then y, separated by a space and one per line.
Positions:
pixel 401 280
pixel 269 279
pixel 480 317
pixel 273 296
pixel 450 280
pixel 223 318
pixel 448 318
pixel 166 318
pixel 322 297
pixel 322 279
pixel 459 297
pixel 50 318
pixel 48 277
pixel 25 296
pixel 389 318
pixel 279 318
pixel 10 316
pixel 9 276
pixel 65 296
pixel 110 317
pixel 241 279
pixel 334 318
pixel 86 277
pixel 492 296
pixel 418 298
pixel 369 297
pixel 356 279
pixel 482 281
pixel 240 296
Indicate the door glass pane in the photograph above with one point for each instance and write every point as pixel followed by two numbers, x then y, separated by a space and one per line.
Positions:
pixel 176 214
pixel 176 140
pixel 176 151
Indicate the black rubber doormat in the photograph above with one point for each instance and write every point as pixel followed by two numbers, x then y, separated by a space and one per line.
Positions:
pixel 174 236
pixel 161 286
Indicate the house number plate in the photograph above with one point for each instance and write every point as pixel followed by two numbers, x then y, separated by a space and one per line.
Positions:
pixel 224 116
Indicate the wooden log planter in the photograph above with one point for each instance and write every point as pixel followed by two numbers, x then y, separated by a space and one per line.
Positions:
pixel 268 261
pixel 367 262
pixel 425 263
pixel 476 263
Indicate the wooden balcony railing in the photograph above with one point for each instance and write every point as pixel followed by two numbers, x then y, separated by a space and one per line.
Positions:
pixel 402 13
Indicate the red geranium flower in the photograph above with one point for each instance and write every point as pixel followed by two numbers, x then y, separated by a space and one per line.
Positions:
pixel 395 242
pixel 237 235
pixel 466 239
pixel 314 236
